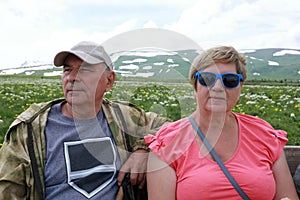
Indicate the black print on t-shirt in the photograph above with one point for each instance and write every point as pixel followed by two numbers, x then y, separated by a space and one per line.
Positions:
pixel 90 164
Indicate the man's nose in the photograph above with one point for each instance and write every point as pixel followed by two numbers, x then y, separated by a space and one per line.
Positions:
pixel 73 75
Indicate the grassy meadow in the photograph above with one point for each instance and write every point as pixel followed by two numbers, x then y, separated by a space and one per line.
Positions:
pixel 278 104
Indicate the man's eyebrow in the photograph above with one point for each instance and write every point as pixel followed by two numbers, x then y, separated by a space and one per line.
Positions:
pixel 85 65
pixel 66 65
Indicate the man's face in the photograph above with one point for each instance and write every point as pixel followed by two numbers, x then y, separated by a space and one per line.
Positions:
pixel 85 84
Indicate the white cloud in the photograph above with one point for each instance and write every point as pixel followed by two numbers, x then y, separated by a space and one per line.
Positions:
pixel 37 29
pixel 126 26
pixel 179 3
pixel 244 24
pixel 150 24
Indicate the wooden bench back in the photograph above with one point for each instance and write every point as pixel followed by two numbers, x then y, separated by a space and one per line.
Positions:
pixel 293 157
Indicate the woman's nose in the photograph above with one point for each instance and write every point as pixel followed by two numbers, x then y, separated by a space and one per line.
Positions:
pixel 218 85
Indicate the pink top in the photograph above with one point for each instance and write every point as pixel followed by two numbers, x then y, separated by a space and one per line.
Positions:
pixel 199 177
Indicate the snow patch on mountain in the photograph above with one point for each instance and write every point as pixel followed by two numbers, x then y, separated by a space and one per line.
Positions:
pixel 33 63
pixel 284 52
pixel 273 63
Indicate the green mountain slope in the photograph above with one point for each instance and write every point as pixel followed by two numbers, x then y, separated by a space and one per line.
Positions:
pixel 263 64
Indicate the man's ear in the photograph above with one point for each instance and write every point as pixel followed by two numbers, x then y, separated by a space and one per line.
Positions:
pixel 111 76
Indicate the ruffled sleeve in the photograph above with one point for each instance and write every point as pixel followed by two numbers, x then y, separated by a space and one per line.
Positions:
pixel 161 139
pixel 261 137
pixel 171 141
pixel 276 145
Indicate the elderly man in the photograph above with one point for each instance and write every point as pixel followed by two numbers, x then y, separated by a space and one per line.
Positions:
pixel 80 146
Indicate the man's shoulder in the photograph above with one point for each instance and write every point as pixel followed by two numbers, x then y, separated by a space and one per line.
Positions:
pixel 119 103
pixel 34 110
pixel 123 106
pixel 123 112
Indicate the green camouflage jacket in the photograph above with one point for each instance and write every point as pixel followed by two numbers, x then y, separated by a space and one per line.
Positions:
pixel 16 174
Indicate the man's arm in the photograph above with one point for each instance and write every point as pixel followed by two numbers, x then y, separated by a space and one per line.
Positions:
pixel 136 164
pixel 134 123
pixel 14 166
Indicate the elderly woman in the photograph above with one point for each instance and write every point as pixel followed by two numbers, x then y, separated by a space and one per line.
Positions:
pixel 189 156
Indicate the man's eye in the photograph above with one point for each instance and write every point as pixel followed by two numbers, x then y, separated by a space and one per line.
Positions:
pixel 66 70
pixel 84 69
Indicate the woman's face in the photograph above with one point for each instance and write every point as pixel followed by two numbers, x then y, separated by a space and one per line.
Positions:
pixel 217 98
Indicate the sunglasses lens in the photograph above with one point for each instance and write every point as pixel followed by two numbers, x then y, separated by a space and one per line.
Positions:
pixel 207 79
pixel 230 80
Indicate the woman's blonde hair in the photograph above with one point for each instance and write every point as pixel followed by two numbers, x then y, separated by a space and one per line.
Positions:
pixel 222 54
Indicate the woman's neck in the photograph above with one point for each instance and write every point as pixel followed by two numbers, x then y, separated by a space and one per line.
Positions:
pixel 213 121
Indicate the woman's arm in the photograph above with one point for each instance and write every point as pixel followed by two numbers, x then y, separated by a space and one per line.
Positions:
pixel 161 179
pixel 285 187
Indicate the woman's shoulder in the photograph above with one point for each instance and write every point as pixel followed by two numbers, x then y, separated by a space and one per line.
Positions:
pixel 252 120
pixel 168 133
pixel 179 124
pixel 257 125
pixel 172 140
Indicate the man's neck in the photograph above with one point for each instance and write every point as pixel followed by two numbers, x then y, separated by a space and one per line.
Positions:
pixel 80 112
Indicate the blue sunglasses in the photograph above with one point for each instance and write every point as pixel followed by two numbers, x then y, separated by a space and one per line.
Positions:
pixel 228 80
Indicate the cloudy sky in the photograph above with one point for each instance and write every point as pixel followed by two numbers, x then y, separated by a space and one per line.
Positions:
pixel 38 29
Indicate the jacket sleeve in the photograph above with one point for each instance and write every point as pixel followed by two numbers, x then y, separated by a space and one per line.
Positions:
pixel 15 165
pixel 136 123
pixel 16 175
pixel 150 124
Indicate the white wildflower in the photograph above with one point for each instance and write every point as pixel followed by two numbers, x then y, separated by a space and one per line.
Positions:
pixel 251 102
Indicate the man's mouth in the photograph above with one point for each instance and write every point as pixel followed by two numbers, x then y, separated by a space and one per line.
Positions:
pixel 217 97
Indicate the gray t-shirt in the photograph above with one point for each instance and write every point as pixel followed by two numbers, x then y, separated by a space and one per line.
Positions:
pixel 82 161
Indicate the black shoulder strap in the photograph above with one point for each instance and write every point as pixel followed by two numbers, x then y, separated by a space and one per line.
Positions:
pixel 35 169
pixel 128 189
pixel 218 160
pixel 30 145
pixel 124 126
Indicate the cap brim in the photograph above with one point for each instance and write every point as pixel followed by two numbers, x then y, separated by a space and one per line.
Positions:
pixel 60 58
